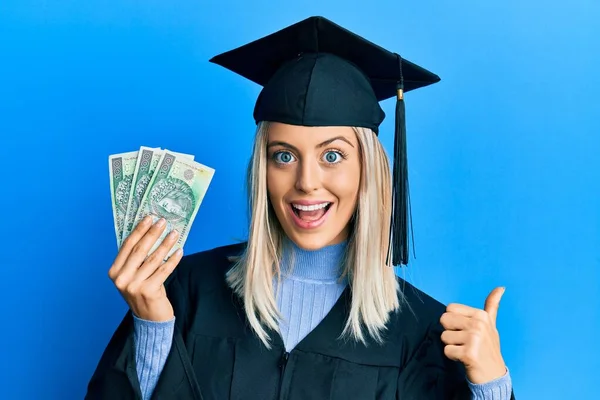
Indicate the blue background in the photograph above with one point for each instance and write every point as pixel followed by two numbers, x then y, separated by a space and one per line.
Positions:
pixel 503 162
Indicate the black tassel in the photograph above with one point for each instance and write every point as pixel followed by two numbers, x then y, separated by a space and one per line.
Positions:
pixel 400 194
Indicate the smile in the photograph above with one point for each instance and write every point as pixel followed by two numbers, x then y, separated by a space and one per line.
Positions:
pixel 309 216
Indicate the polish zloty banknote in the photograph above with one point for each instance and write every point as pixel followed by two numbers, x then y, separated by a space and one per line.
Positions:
pixel 145 167
pixel 122 167
pixel 175 193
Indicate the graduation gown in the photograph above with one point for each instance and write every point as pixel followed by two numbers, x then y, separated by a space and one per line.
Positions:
pixel 215 355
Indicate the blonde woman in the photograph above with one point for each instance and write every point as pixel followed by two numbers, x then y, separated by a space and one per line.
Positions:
pixel 310 306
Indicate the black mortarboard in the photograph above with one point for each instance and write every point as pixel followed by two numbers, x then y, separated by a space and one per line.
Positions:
pixel 316 73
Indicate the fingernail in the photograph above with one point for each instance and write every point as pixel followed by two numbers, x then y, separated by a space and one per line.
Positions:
pixel 160 222
pixel 146 220
pixel 173 234
pixel 179 252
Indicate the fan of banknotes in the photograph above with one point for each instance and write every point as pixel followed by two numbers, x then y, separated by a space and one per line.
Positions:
pixel 157 182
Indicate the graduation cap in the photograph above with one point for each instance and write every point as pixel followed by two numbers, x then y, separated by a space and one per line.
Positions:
pixel 317 73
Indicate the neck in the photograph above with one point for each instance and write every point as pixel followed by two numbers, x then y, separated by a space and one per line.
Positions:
pixel 324 264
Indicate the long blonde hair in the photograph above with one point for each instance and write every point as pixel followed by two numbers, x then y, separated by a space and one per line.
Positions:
pixel 374 287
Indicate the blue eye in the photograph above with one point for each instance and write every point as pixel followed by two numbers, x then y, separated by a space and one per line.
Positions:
pixel 333 157
pixel 283 157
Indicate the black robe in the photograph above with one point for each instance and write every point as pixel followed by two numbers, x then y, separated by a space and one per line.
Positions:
pixel 215 356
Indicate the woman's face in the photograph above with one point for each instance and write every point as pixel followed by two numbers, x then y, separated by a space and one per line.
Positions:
pixel 313 178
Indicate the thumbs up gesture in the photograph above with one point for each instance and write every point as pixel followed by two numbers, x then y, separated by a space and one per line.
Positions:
pixel 471 337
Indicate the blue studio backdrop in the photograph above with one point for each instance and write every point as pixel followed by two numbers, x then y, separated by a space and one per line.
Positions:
pixel 504 164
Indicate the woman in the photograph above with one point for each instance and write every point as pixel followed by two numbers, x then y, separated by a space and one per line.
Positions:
pixel 309 307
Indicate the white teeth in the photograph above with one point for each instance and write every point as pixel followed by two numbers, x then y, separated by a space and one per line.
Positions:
pixel 312 207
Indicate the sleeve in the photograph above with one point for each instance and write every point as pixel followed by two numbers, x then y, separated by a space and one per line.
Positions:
pixel 152 341
pixel 115 377
pixel 498 389
pixel 429 374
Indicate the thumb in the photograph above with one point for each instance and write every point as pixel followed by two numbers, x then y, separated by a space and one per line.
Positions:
pixel 493 302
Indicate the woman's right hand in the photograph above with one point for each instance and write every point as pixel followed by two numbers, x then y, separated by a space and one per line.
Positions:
pixel 140 277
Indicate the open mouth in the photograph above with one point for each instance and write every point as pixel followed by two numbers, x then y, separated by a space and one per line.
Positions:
pixel 310 213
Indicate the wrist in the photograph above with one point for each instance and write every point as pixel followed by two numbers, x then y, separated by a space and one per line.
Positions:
pixel 484 375
pixel 157 314
pixel 147 322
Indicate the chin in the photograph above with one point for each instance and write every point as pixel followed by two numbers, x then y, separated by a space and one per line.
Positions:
pixel 311 241
pixel 314 240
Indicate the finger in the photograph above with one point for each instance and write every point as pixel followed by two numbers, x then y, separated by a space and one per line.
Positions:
pixel 128 244
pixel 493 302
pixel 454 322
pixel 455 337
pixel 454 352
pixel 462 310
pixel 140 250
pixel 470 312
pixel 157 257
pixel 161 274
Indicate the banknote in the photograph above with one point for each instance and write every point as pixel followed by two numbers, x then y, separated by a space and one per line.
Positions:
pixel 175 193
pixel 145 168
pixel 121 168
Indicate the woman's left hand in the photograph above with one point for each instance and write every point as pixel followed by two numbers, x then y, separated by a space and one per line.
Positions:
pixel 471 337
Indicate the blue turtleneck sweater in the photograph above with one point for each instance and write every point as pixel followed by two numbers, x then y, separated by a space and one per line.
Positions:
pixel 309 288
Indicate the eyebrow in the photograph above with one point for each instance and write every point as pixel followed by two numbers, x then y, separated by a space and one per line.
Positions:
pixel 323 144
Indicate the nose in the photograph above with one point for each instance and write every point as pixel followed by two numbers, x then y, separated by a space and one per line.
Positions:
pixel 308 177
